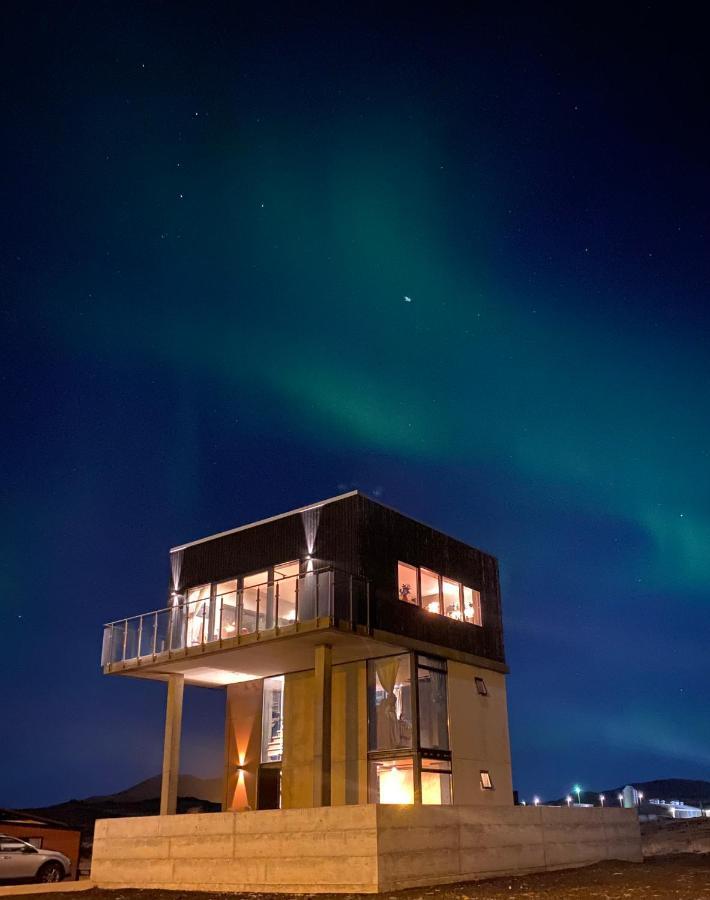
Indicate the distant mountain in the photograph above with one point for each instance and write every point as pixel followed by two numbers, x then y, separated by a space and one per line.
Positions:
pixel 143 799
pixel 692 792
pixel 209 789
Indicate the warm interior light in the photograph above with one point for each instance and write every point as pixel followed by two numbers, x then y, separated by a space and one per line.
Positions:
pixel 433 606
pixel 431 788
pixel 396 785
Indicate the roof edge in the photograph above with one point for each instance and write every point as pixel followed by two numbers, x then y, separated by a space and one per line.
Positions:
pixel 283 515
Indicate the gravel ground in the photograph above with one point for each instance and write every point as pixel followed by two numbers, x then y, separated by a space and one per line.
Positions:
pixel 678 877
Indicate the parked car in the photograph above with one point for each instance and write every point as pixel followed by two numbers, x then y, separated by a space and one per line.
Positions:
pixel 18 859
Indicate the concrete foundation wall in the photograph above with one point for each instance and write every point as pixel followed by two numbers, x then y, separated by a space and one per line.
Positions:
pixel 349 849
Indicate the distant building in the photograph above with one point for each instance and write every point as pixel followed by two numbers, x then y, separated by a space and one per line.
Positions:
pixel 674 809
pixel 44 834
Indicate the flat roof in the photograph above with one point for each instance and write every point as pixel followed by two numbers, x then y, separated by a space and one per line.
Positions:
pixel 317 505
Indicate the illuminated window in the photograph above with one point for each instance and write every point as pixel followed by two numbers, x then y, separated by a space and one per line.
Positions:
pixel 481 687
pixel 254 602
pixel 390 702
pixel 433 715
pixel 436 782
pixel 392 781
pixel 198 612
pixel 438 594
pixel 431 592
pixel 472 606
pixel 226 600
pixel 486 782
pixel 272 720
pixel 407 579
pixel 286 588
pixel 452 599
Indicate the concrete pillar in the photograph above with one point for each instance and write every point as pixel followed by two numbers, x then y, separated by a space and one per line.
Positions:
pixel 171 746
pixel 321 725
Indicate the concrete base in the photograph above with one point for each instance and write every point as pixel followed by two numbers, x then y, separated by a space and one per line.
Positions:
pixel 354 849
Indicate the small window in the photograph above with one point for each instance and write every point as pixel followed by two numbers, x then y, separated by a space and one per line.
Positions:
pixel 407 578
pixel 486 782
pixel 35 841
pixel 481 687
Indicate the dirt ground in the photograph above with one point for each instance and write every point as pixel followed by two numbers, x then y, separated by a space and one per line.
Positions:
pixel 677 877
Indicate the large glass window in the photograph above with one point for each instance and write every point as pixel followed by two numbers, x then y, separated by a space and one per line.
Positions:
pixel 431 595
pixel 472 606
pixel 254 598
pixel 433 711
pixel 437 594
pixel 285 588
pixel 436 782
pixel 392 780
pixel 390 703
pixel 409 753
pixel 226 600
pixel 452 599
pixel 407 577
pixel 198 611
pixel 272 720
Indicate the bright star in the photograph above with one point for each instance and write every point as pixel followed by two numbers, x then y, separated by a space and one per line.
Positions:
pixel 407 299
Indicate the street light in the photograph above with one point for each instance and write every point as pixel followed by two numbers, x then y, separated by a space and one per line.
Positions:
pixel 578 791
pixel 640 797
pixel 569 800
pixel 620 798
pixel 536 801
pixel 602 798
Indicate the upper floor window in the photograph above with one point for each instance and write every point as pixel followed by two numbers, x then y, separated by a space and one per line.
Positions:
pixel 438 594
pixel 407 576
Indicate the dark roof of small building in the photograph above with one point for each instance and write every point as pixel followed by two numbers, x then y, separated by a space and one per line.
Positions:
pixel 31 820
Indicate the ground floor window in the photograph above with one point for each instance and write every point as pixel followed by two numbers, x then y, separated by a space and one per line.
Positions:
pixel 390 702
pixel 436 782
pixel 268 788
pixel 411 779
pixel 392 780
pixel 409 756
pixel 272 720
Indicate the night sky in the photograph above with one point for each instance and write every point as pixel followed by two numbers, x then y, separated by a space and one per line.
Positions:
pixel 252 258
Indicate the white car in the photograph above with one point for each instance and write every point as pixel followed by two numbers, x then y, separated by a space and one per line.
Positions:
pixel 18 859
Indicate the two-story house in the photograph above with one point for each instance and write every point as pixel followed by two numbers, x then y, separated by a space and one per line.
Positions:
pixel 360 653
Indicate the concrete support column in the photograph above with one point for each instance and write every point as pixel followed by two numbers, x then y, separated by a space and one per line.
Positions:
pixel 321 725
pixel 171 746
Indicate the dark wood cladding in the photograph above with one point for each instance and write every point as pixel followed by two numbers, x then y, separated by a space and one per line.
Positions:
pixel 363 537
pixel 389 537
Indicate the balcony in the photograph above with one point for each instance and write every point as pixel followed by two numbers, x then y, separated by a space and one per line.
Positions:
pixel 325 597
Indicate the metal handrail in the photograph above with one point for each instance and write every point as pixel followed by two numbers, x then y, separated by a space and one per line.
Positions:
pixel 253 610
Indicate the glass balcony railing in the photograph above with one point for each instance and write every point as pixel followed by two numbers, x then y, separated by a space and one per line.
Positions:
pixel 217 617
